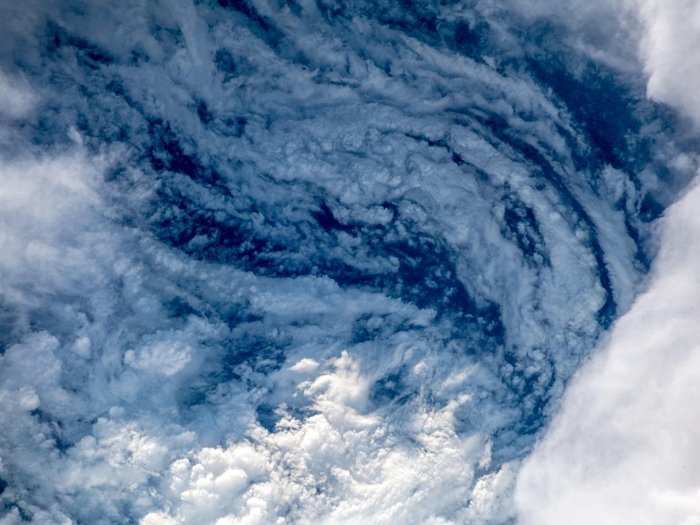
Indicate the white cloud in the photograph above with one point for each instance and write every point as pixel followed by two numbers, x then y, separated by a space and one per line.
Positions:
pixel 337 467
pixel 670 45
pixel 162 357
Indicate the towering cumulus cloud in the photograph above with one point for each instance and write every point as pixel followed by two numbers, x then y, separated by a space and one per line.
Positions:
pixel 625 448
pixel 312 262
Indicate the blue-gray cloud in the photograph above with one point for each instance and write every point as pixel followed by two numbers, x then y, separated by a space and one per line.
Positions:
pixel 306 262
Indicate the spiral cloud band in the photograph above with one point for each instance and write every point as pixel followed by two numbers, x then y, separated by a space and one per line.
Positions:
pixel 318 262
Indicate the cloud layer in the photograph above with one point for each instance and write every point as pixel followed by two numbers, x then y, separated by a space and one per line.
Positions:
pixel 624 449
pixel 304 262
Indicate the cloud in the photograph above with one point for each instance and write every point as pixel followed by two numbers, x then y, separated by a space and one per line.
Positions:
pixel 291 275
pixel 337 466
pixel 17 99
pixel 670 44
pixel 95 378
pixel 624 448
